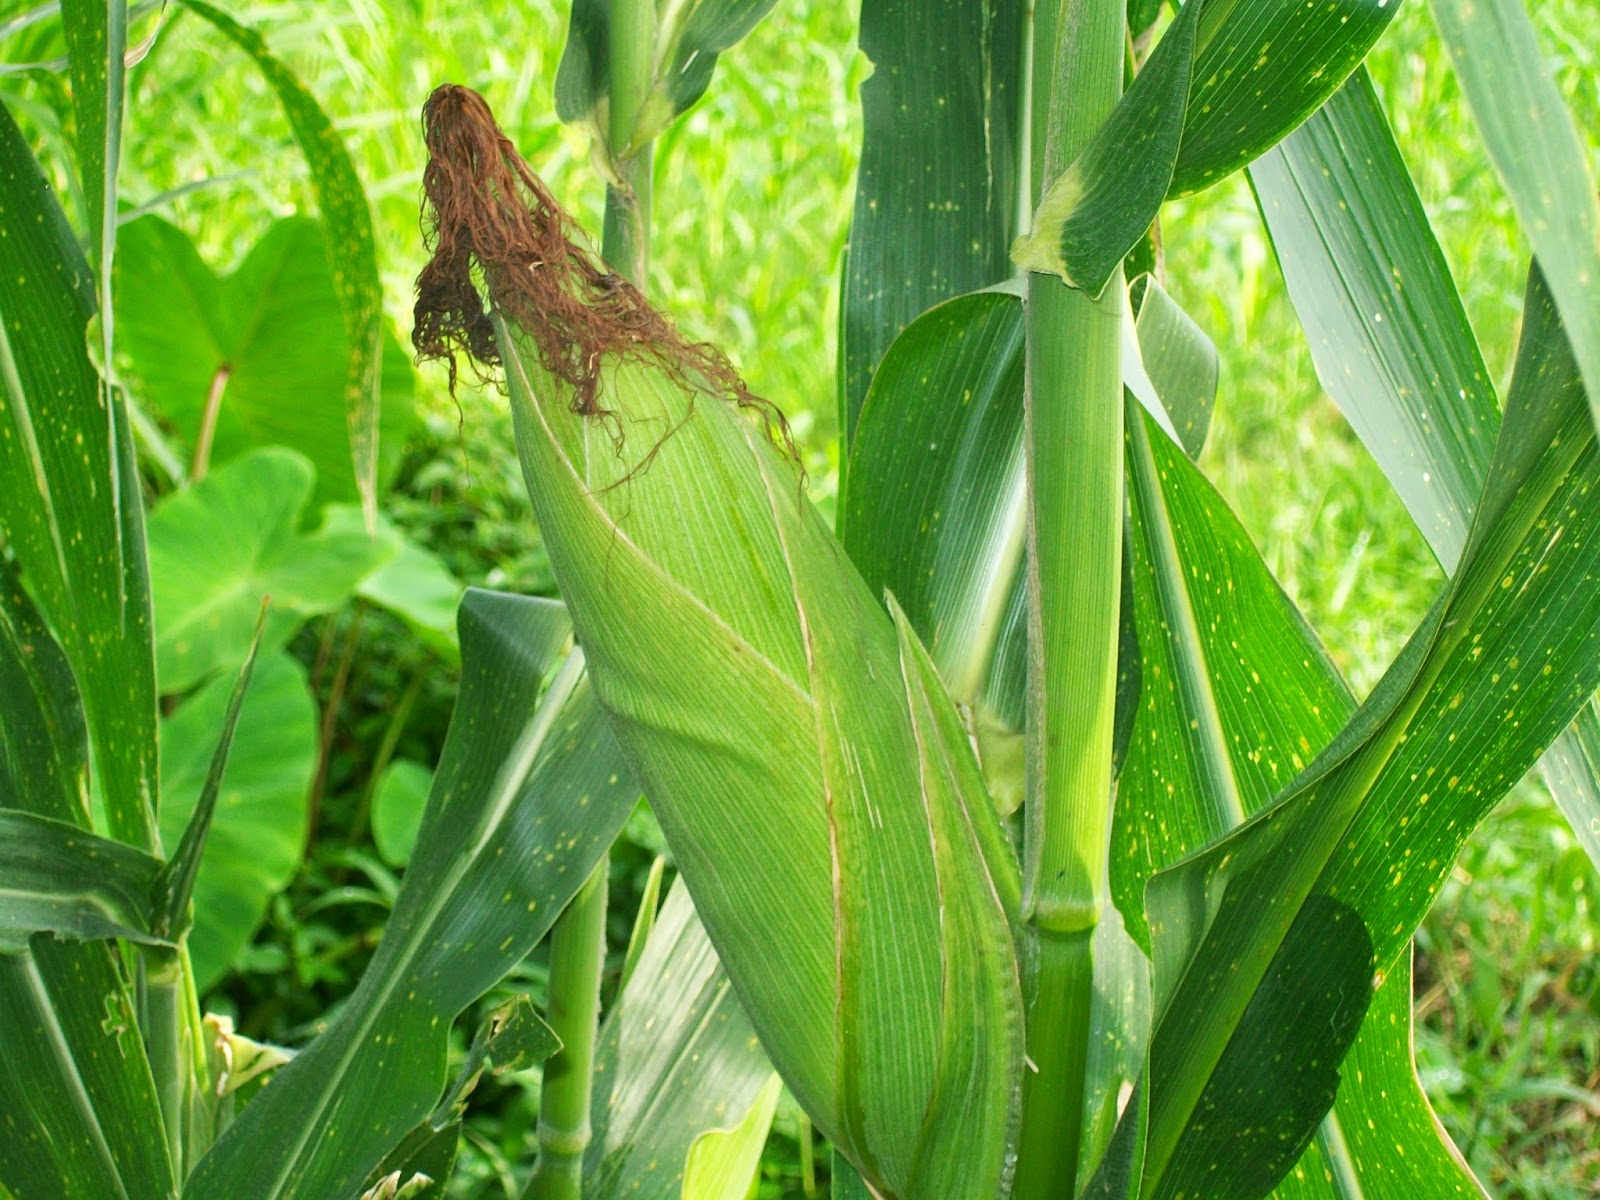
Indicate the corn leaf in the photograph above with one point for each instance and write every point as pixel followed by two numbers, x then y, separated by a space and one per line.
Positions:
pixel 75 1087
pixel 1389 336
pixel 1572 769
pixel 96 33
pixel 1292 920
pixel 936 194
pixel 348 220
pixel 1393 346
pixel 1094 212
pixel 807 776
pixel 62 880
pixel 79 542
pixel 677 1057
pixel 528 796
pixel 1232 679
pixel 1225 84
pixel 1540 156
pixel 1181 362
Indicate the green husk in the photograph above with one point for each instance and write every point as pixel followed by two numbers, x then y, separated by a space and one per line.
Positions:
pixel 808 769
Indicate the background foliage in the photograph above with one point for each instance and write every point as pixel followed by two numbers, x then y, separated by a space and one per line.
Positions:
pixel 747 255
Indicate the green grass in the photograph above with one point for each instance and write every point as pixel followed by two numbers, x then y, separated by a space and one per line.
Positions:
pixel 753 199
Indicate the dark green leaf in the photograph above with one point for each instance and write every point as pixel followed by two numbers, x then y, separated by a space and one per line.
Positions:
pixel 221 547
pixel 76 1097
pixel 44 763
pixel 97 38
pixel 933 510
pixel 62 880
pixel 1260 68
pixel 267 342
pixel 425 1151
pixel 676 1057
pixel 349 225
pixel 1238 696
pixel 69 505
pixel 1097 210
pixel 1500 667
pixel 513 1036
pixel 936 195
pixel 1393 346
pixel 75 1088
pixel 528 795
pixel 259 831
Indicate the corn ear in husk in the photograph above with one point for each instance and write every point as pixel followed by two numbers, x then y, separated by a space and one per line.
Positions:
pixel 809 770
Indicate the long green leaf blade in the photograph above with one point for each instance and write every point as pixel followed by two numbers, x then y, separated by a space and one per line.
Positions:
pixel 1400 787
pixel 75 1087
pixel 80 542
pixel 1389 336
pixel 528 795
pixel 937 191
pixel 57 878
pixel 1393 346
pixel 1261 67
pixel 1540 156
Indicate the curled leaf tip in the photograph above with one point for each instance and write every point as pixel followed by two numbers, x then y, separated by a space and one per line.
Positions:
pixel 489 220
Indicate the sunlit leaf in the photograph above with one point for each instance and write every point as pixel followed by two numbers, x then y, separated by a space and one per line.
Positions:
pixel 676 1057
pixel 261 355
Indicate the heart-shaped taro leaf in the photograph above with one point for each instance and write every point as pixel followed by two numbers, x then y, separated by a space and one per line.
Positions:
pixel 259 828
pixel 270 336
pixel 219 548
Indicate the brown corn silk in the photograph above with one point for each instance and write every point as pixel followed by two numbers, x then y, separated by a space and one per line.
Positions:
pixel 486 212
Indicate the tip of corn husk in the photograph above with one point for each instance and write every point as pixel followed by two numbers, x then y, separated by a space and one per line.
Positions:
pixel 496 236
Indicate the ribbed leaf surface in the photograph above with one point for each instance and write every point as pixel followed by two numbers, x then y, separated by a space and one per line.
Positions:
pixel 677 1057
pixel 807 777
pixel 1226 83
pixel 69 504
pixel 1540 155
pixel 1347 864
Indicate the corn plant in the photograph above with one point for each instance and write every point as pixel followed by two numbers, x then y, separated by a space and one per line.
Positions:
pixel 1031 837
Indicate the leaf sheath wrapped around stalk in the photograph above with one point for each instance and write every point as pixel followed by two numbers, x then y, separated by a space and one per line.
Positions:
pixel 805 762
